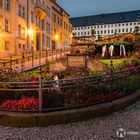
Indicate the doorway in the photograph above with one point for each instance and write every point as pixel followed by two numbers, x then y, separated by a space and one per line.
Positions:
pixel 38 41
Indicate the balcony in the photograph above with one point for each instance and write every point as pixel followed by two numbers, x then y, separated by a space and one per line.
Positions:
pixel 40 10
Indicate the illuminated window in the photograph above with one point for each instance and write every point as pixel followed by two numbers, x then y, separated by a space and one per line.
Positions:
pixel 7 45
pixel 19 31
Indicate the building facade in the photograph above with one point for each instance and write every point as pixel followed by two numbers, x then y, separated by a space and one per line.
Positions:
pixel 106 24
pixel 61 27
pixel 26 26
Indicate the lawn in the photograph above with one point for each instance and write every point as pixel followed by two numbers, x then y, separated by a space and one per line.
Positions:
pixel 116 62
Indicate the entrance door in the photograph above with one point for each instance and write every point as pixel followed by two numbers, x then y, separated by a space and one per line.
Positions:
pixel 38 41
pixel 53 45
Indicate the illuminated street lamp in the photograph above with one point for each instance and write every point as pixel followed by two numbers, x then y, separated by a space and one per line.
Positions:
pixel 29 33
pixel 56 37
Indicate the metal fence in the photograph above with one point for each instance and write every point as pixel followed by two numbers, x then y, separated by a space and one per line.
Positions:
pixel 44 96
pixel 32 60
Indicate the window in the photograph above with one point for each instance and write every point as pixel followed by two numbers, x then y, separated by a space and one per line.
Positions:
pixel 23 32
pixel 48 28
pixel 21 11
pixel 32 17
pixel 43 40
pixel 6 25
pixel 112 31
pixel 32 1
pixel 23 47
pixel 7 45
pixel 19 31
pixel 119 30
pixel 7 5
pixel 61 22
pixel 19 46
pixel 43 25
pixel 54 18
pixel 48 11
pixel 58 20
pixel 1 3
pixel 48 42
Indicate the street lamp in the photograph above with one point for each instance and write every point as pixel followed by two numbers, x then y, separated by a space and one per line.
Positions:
pixel 56 37
pixel 29 33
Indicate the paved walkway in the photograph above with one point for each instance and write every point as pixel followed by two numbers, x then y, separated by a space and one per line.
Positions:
pixel 103 128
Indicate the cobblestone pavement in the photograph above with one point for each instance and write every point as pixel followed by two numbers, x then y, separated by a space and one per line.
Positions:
pixel 103 128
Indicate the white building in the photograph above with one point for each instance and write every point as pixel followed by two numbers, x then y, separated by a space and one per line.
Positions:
pixel 106 24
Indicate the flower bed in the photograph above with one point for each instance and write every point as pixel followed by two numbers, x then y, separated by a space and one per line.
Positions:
pixel 23 104
pixel 89 99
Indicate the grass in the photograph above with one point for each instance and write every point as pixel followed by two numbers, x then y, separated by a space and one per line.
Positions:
pixel 116 62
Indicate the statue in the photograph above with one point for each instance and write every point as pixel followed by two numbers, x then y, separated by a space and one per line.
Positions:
pixel 122 50
pixel 136 30
pixel 104 49
pixel 111 50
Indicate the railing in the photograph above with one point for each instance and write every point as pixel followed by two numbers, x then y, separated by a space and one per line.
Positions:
pixel 32 60
pixel 44 96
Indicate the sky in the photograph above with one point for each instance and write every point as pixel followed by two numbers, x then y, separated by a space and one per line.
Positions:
pixel 78 8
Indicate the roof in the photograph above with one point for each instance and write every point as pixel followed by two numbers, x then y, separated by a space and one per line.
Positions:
pixel 110 18
pixel 60 7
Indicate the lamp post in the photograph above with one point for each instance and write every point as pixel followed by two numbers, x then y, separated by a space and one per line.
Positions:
pixel 111 76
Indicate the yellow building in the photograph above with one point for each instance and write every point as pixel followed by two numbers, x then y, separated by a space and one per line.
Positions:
pixel 26 26
pixel 61 27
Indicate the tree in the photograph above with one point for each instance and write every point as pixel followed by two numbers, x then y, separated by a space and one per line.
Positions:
pixel 136 30
pixel 93 32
